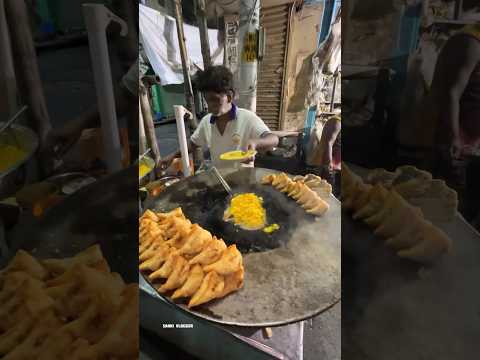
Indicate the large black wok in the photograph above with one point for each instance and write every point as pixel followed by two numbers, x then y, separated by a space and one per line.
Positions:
pixel 104 213
pixel 290 275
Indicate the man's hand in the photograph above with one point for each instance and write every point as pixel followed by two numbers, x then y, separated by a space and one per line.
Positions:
pixel 456 148
pixel 165 162
pixel 251 146
pixel 60 141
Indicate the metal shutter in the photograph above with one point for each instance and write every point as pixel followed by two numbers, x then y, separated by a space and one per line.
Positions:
pixel 271 74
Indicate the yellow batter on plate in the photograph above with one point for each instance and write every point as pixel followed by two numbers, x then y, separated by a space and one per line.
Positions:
pixel 237 155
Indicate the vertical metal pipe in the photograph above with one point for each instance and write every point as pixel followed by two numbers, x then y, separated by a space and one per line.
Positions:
pixel 97 18
pixel 182 139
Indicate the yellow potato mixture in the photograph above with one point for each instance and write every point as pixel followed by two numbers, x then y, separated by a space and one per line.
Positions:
pixel 247 211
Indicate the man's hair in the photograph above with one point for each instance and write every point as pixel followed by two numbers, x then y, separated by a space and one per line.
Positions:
pixel 218 79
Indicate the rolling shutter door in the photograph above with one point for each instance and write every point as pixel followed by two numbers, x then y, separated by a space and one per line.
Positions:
pixel 271 74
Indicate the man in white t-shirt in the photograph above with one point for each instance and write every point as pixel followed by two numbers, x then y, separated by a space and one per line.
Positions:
pixel 227 127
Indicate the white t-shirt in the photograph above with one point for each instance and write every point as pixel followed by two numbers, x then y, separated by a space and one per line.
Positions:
pixel 246 126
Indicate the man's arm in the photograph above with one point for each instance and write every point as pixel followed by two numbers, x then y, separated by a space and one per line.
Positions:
pixel 329 135
pixel 266 142
pixel 456 64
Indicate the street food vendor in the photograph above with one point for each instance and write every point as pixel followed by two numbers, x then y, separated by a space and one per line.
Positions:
pixel 456 87
pixel 227 127
pixel 328 157
pixel 456 95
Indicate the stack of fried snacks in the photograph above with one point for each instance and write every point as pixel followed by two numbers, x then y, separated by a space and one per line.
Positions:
pixel 71 308
pixel 185 260
pixel 392 217
pixel 302 190
pixel 437 201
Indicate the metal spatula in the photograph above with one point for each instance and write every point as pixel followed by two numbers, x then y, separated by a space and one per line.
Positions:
pixel 6 127
pixel 222 181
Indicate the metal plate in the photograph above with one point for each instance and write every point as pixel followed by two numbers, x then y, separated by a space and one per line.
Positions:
pixel 287 284
pixel 27 140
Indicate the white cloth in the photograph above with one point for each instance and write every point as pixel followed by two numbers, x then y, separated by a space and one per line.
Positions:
pixel 246 126
pixel 134 74
pixel 158 33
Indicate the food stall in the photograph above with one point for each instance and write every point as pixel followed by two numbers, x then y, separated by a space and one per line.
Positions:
pixel 290 275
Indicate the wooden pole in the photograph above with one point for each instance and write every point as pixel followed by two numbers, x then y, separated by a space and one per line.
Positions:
pixel 198 156
pixel 26 67
pixel 185 63
pixel 142 137
pixel 148 122
pixel 8 87
pixel 202 25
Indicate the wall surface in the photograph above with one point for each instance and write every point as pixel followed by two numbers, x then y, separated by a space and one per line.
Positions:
pixel 305 27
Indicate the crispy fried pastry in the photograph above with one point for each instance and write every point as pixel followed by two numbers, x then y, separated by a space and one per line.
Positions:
pixel 313 201
pixel 54 316
pixel 232 282
pixel 230 262
pixel 377 196
pixel 192 284
pixel 211 253
pixel 178 255
pixel 268 179
pixel 392 217
pixel 166 269
pixel 157 259
pixel 212 287
pixel 431 243
pixel 178 276
pixel 195 241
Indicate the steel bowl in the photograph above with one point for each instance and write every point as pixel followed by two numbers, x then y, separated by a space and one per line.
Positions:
pixel 28 141
pixel 151 164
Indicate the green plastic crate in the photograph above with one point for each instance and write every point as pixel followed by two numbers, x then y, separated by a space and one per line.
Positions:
pixel 167 97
